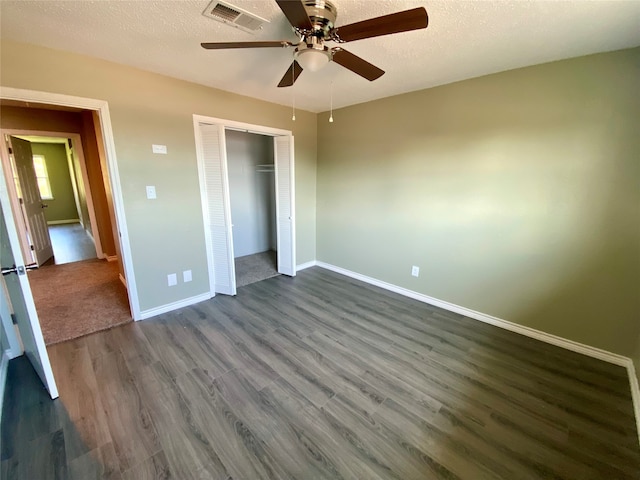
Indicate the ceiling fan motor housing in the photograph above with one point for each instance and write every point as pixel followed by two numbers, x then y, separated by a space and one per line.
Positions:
pixel 322 14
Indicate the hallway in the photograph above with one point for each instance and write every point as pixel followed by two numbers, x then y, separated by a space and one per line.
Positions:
pixel 70 243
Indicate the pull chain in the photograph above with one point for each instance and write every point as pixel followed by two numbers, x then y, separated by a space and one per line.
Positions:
pixel 293 91
pixel 331 113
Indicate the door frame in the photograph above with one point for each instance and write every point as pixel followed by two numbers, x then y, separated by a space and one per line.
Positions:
pixel 102 109
pixel 243 127
pixel 13 195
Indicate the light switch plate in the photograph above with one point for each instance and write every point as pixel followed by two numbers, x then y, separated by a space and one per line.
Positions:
pixel 151 192
pixel 172 279
pixel 186 276
pixel 159 149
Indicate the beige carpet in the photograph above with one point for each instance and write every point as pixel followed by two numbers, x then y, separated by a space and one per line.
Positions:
pixel 254 268
pixel 79 298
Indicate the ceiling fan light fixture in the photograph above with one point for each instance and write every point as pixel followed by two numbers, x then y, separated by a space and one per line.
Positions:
pixel 312 59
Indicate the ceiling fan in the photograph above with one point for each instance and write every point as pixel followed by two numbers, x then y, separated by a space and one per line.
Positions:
pixel 314 22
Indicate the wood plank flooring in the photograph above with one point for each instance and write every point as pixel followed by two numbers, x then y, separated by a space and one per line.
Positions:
pixel 319 376
pixel 70 243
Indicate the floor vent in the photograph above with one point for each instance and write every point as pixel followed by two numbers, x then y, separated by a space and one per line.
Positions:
pixel 234 16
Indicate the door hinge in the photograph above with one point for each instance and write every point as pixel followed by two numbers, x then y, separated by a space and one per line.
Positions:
pixel 32 247
pixel 14 319
pixel 21 201
pixel 10 151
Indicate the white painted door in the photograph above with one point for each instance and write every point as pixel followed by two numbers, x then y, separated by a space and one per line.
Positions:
pixel 285 208
pixel 15 291
pixel 218 208
pixel 31 201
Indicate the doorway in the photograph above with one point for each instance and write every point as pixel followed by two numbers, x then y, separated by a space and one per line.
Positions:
pixel 89 260
pixel 253 205
pixel 75 291
pixel 214 171
pixel 70 216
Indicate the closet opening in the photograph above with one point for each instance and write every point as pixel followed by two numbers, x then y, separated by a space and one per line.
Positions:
pixel 252 193
pixel 247 187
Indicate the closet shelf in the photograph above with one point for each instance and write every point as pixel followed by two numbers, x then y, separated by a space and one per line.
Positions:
pixel 265 168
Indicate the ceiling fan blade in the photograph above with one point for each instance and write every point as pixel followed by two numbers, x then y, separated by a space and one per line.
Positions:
pixel 291 76
pixel 356 64
pixel 222 45
pixel 413 19
pixel 296 13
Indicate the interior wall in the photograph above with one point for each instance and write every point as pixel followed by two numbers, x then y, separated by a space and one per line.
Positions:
pixel 82 194
pixel 96 184
pixel 516 194
pixel 251 191
pixel 166 234
pixel 21 118
pixel 62 207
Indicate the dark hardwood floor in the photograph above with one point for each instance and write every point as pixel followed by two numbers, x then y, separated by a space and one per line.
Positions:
pixel 319 376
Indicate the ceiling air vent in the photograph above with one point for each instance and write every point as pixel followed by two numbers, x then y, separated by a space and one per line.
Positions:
pixel 234 16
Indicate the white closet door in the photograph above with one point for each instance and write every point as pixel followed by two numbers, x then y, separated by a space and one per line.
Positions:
pixel 218 208
pixel 285 208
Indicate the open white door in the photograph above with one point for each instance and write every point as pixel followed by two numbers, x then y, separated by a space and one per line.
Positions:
pixel 218 208
pixel 29 195
pixel 14 284
pixel 285 208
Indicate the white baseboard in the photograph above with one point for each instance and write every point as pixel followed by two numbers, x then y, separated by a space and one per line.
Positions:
pixel 514 327
pixel 303 266
pixel 111 258
pixel 152 312
pixel 4 365
pixel 483 317
pixel 123 280
pixel 63 222
pixel 635 393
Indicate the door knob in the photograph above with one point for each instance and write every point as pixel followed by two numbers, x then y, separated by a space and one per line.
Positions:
pixel 7 271
pixel 19 270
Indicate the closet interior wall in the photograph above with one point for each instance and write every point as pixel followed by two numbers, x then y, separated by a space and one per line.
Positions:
pixel 252 192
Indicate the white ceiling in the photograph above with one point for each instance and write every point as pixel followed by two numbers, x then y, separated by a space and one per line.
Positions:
pixel 464 39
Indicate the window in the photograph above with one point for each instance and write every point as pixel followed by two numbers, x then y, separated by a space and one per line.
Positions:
pixel 42 177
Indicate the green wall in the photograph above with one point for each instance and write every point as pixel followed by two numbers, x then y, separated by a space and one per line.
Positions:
pixel 167 234
pixel 516 194
pixel 63 205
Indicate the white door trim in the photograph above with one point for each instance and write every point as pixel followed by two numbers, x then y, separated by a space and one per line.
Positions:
pixel 231 125
pixel 241 126
pixel 77 141
pixel 102 107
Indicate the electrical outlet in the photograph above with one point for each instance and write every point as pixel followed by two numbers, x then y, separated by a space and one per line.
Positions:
pixel 186 276
pixel 151 192
pixel 172 279
pixel 415 271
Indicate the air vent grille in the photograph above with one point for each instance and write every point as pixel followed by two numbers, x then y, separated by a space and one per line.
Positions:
pixel 234 16
pixel 225 13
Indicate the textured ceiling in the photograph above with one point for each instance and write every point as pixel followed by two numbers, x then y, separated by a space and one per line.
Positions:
pixel 465 39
